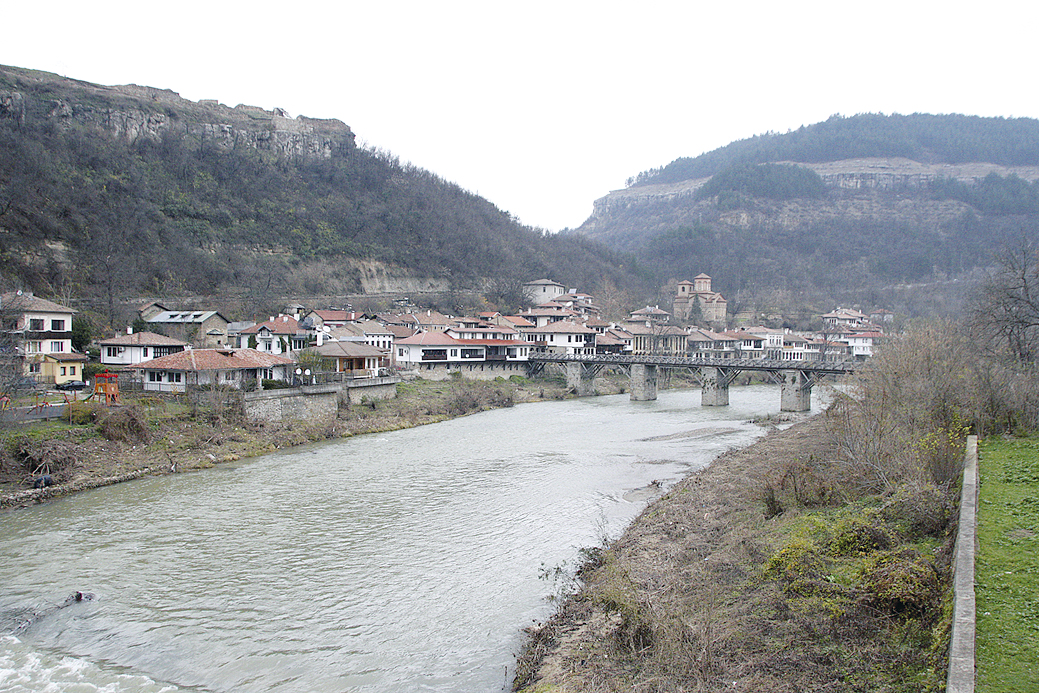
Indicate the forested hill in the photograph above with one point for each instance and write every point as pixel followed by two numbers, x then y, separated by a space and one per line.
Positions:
pixel 870 208
pixel 931 139
pixel 130 191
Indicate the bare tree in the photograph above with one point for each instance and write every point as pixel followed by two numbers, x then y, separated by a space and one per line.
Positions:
pixel 1004 310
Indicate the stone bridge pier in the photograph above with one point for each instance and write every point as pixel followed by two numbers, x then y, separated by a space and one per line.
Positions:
pixel 580 378
pixel 643 382
pixel 796 392
pixel 715 388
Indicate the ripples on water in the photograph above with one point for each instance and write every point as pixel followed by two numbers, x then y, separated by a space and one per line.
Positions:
pixel 393 562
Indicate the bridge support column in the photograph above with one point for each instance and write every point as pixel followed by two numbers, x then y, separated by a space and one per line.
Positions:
pixel 796 393
pixel 643 382
pixel 715 391
pixel 580 379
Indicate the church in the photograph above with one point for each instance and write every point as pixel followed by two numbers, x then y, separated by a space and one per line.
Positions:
pixel 698 292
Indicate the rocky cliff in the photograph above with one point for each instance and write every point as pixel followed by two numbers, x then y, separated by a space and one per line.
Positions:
pixel 902 179
pixel 131 112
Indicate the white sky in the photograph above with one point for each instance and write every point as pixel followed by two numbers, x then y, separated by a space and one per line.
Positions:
pixel 542 107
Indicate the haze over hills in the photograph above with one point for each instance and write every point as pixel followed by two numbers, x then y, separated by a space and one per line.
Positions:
pixel 896 210
pixel 129 191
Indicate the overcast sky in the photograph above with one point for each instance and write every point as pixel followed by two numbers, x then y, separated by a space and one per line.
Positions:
pixel 542 107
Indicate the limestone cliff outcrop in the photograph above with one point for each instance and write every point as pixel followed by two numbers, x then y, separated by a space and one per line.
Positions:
pixel 131 112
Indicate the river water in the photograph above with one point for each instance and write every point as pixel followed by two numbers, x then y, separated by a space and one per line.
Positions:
pixel 404 561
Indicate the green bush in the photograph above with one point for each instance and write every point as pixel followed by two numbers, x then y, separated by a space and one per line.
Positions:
pixel 901 582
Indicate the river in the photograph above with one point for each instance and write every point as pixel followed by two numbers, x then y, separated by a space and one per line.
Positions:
pixel 404 561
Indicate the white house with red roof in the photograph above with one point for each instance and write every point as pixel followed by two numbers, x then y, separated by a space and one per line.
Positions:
pixel 133 348
pixel 563 336
pixel 220 367
pixel 279 335
pixel 499 343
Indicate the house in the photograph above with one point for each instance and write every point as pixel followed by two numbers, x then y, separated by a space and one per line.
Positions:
pixel 499 343
pixel 613 340
pixel 845 316
pixel 333 318
pixel 860 344
pixel 205 328
pixel 237 368
pixel 562 336
pixel 355 358
pixel 433 347
pixel 657 338
pixel 367 331
pixel 773 339
pixel 279 335
pixel 746 345
pixel 430 321
pixel 42 332
pixel 542 290
pixel 548 313
pixel 649 315
pixel 133 348
pixel 697 293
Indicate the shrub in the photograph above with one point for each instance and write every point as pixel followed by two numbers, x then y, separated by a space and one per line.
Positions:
pixel 83 413
pixel 859 535
pixel 901 582
pixel 127 424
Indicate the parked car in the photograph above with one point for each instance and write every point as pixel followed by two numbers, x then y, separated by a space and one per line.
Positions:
pixel 71 385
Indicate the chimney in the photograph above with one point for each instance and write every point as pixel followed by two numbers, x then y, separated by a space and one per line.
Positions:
pixel 320 336
pixel 129 329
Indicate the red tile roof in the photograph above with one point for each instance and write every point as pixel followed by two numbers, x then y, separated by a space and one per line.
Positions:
pixel 215 360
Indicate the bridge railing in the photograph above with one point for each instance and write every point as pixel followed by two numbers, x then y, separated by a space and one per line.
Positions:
pixel 699 361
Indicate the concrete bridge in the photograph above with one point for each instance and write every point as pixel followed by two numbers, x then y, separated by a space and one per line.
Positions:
pixel 714 375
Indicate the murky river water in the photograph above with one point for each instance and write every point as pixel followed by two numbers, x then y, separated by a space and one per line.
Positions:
pixel 405 561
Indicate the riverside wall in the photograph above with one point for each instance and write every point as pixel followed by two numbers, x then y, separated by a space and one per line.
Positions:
pixel 439 370
pixel 315 403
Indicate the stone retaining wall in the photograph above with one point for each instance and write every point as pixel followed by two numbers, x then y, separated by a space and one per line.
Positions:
pixel 439 370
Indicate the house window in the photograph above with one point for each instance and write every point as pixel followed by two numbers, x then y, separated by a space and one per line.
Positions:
pixel 153 377
pixel 144 352
pixel 454 352
pixel 72 370
pixel 57 325
pixel 34 347
pixel 34 368
pixel 63 369
pixel 175 377
pixel 36 324
pixel 400 353
pixel 112 352
pixel 57 346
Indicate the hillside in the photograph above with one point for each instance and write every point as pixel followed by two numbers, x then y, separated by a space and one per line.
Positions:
pixel 128 191
pixel 894 210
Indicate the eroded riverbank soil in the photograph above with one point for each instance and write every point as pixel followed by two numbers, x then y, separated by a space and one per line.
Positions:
pixel 679 602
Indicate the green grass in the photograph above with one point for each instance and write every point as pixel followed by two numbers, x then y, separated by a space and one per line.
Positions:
pixel 1007 567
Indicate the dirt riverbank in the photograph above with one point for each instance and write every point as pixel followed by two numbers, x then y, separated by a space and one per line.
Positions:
pixel 713 589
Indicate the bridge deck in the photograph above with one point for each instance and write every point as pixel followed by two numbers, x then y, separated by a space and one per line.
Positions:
pixel 772 365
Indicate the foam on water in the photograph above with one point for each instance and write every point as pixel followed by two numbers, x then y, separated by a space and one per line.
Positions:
pixel 25 670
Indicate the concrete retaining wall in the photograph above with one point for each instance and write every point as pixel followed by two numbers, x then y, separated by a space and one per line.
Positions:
pixel 961 647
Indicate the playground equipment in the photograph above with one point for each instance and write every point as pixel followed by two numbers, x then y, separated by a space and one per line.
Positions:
pixel 106 388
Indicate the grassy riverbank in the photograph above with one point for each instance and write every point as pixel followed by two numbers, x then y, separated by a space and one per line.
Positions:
pixel 149 435
pixel 1007 566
